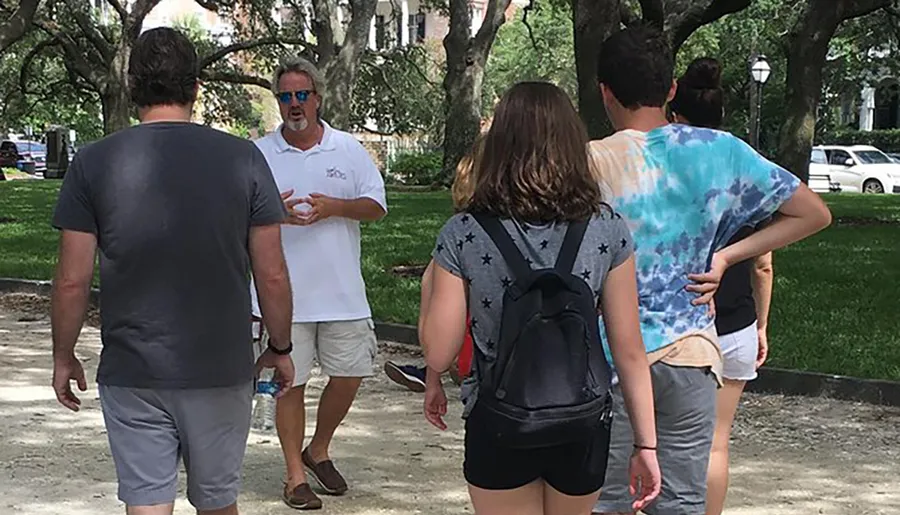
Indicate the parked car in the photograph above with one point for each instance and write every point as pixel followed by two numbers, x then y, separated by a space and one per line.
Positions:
pixel 858 168
pixel 28 156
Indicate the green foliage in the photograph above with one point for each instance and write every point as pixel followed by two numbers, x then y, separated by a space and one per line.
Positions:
pixel 221 103
pixel 549 57
pixel 732 40
pixel 861 51
pixel 417 168
pixel 48 99
pixel 834 309
pixel 400 91
pixel 885 140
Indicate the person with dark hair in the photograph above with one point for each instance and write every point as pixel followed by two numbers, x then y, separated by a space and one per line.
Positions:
pixel 699 99
pixel 181 215
pixel 744 295
pixel 535 221
pixel 685 193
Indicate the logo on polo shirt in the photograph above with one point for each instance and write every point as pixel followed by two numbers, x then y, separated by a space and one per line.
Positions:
pixel 334 173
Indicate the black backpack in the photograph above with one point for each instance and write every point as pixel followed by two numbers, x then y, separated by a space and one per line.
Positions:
pixel 550 382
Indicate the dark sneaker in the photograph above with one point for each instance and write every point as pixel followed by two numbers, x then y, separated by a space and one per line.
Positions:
pixel 325 473
pixel 410 376
pixel 301 498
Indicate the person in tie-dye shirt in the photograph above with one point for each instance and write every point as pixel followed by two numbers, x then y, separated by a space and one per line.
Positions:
pixel 684 193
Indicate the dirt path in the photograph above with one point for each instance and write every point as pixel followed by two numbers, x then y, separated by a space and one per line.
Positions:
pixel 790 455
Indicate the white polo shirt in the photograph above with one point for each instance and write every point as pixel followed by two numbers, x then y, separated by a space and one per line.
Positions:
pixel 324 258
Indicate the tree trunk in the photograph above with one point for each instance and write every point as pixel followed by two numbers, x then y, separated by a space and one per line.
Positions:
pixel 466 61
pixel 18 24
pixel 340 68
pixel 594 21
pixel 116 108
pixel 115 99
pixel 462 87
pixel 806 47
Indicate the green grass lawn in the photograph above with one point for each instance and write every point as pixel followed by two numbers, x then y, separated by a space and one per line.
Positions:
pixel 836 306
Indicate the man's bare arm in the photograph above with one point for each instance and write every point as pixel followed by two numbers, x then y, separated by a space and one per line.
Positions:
pixel 71 290
pixel 272 282
pixel 362 209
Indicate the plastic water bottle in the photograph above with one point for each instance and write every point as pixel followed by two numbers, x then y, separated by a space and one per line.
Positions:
pixel 263 418
pixel 264 401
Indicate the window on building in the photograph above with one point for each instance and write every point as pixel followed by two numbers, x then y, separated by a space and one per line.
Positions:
pixel 417 28
pixel 380 43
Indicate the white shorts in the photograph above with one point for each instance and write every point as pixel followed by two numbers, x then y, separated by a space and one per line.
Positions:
pixel 739 350
pixel 344 348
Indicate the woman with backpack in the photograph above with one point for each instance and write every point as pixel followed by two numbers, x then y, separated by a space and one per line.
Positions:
pixel 744 295
pixel 533 258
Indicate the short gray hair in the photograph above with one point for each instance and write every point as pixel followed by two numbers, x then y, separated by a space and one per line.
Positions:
pixel 297 64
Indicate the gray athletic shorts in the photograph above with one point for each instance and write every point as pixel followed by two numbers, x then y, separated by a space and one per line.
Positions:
pixel 685 400
pixel 150 429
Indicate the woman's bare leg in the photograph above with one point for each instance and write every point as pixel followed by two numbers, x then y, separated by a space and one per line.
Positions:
pixel 717 478
pixel 526 500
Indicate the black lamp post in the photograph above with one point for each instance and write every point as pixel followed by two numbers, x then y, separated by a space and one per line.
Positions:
pixel 759 72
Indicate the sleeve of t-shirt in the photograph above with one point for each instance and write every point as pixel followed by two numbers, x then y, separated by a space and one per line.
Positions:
pixel 621 241
pixel 446 253
pixel 369 182
pixel 74 207
pixel 759 188
pixel 266 207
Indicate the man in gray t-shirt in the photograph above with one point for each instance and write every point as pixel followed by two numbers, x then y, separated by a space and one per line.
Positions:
pixel 180 214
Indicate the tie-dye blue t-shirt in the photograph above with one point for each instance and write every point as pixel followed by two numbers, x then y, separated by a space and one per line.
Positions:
pixel 684 192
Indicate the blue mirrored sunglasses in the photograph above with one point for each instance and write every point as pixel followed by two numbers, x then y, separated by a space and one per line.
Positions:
pixel 302 96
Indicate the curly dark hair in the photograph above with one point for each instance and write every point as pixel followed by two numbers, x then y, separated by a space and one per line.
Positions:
pixel 163 69
pixel 534 165
pixel 637 65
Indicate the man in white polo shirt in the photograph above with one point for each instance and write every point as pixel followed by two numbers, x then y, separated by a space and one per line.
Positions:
pixel 329 184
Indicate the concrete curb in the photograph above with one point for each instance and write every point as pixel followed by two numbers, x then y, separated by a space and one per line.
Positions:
pixel 770 380
pixel 813 384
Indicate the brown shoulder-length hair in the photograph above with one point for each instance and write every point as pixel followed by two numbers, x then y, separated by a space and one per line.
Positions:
pixel 464 181
pixel 533 165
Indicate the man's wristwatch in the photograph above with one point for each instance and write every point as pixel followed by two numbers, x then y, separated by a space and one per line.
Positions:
pixel 281 352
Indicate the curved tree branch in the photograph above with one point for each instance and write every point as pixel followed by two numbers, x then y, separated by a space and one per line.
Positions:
pixel 235 78
pixel 75 60
pixel 528 8
pixel 247 45
pixel 120 9
pixel 29 58
pixel 653 12
pixel 684 17
pixel 494 17
pixel 18 24
pixel 132 26
pixel 857 8
pixel 88 27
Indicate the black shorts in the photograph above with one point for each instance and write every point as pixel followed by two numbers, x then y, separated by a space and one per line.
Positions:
pixel 573 469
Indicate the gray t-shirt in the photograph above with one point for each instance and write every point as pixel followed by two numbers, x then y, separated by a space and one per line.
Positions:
pixel 465 250
pixel 172 205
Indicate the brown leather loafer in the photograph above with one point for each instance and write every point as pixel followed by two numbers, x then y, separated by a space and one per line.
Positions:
pixel 325 473
pixel 301 498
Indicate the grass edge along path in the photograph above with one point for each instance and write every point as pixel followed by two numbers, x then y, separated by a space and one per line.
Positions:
pixel 835 309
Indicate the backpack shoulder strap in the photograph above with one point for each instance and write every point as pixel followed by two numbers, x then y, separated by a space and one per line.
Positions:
pixel 504 242
pixel 565 261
